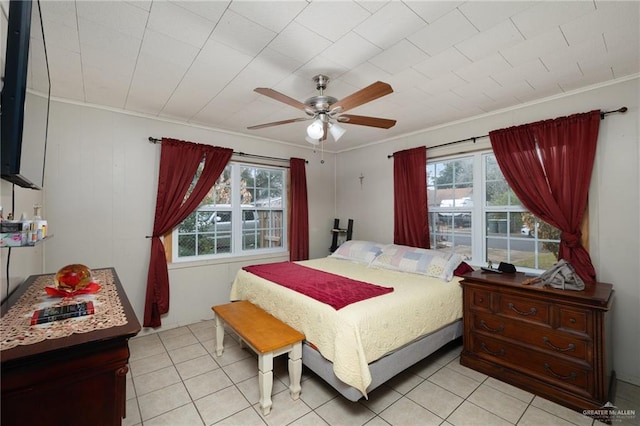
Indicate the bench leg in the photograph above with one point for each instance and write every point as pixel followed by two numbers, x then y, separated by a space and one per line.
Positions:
pixel 295 370
pixel 265 381
pixel 219 336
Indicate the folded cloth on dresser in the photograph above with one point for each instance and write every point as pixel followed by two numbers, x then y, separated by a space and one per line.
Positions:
pixel 334 290
pixel 361 332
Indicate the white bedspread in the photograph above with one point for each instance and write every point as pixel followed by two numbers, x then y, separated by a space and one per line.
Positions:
pixel 362 332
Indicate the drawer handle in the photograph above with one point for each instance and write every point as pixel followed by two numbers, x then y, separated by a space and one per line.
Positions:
pixel 490 352
pixel 571 376
pixel 572 320
pixel 532 311
pixel 571 346
pixel 493 330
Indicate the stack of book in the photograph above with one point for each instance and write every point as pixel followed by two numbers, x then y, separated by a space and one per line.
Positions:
pixel 57 313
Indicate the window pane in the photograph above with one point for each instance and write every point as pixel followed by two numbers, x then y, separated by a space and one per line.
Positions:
pixel 520 238
pixel 206 220
pixel 546 235
pixel 498 192
pixel 223 243
pixel 189 224
pixel 497 224
pixel 520 251
pixel 262 178
pixel 250 224
pixel 493 171
pixel 451 232
pixel 206 244
pixel 221 190
pixel 450 183
pixel 186 245
pixel 268 232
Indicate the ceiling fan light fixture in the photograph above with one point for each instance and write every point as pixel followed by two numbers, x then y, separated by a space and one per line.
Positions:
pixel 315 130
pixel 336 131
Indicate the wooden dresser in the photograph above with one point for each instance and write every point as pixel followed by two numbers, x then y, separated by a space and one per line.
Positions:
pixel 549 342
pixel 76 379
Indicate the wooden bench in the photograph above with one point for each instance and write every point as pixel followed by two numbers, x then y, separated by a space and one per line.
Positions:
pixel 268 337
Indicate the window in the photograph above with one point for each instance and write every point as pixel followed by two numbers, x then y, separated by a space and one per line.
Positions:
pixel 473 211
pixel 243 214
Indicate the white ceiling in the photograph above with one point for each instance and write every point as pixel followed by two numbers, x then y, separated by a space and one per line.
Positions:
pixel 199 61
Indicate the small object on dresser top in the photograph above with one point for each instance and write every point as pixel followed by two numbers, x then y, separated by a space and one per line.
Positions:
pixel 58 313
pixel 73 277
pixel 503 268
pixel 507 268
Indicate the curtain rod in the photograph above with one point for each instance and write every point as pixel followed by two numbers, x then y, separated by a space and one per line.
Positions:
pixel 474 138
pixel 241 154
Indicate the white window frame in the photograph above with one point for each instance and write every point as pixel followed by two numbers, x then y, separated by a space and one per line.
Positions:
pixel 479 212
pixel 237 213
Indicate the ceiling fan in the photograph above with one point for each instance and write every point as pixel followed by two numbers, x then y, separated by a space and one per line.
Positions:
pixel 326 111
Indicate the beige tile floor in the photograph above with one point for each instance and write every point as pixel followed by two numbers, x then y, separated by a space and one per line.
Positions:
pixel 176 379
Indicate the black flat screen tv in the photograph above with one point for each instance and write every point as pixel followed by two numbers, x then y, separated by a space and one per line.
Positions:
pixel 24 113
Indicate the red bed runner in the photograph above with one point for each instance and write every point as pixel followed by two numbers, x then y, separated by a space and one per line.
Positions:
pixel 334 290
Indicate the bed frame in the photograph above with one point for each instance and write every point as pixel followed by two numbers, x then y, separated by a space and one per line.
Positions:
pixel 386 367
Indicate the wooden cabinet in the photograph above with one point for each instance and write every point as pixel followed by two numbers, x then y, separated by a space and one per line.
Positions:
pixel 549 342
pixel 79 379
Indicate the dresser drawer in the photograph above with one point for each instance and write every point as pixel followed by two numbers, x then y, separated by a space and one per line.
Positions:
pixel 542 337
pixel 559 372
pixel 530 310
pixel 574 320
pixel 480 299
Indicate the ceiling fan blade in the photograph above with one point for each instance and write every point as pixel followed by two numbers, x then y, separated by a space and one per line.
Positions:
pixel 383 123
pixel 277 123
pixel 368 94
pixel 280 97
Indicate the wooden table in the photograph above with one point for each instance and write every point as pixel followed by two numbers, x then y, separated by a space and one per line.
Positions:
pixel 268 337
pixel 78 379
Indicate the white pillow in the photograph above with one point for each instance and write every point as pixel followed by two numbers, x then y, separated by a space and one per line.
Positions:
pixel 358 251
pixel 454 261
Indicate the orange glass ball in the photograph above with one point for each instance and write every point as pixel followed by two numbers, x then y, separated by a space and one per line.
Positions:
pixel 72 278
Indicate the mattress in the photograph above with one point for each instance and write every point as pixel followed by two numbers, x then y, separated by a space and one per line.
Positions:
pixel 362 332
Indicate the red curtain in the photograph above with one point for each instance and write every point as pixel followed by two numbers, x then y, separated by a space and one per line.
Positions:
pixel 299 220
pixel 548 165
pixel 410 215
pixel 179 161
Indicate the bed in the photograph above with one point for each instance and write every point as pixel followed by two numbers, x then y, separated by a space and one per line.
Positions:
pixel 360 346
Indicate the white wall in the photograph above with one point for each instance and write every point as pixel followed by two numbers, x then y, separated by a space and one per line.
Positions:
pixel 101 185
pixel 614 204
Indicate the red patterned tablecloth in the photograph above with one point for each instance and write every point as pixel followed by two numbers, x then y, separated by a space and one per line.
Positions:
pixel 15 328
